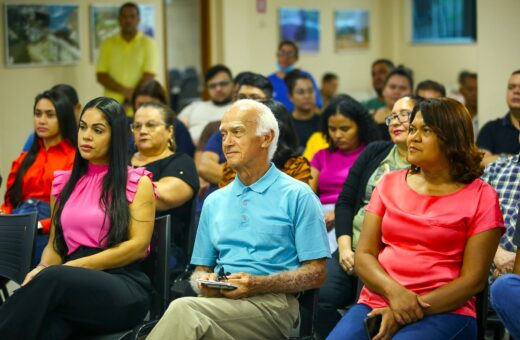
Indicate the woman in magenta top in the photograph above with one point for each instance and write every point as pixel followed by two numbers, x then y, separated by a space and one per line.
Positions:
pixel 89 280
pixel 429 235
pixel 348 128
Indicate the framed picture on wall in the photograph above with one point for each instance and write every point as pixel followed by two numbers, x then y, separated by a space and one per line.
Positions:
pixel 351 27
pixel 301 25
pixel 444 22
pixel 104 23
pixel 41 35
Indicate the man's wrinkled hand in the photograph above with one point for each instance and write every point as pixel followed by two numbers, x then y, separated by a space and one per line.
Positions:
pixel 246 286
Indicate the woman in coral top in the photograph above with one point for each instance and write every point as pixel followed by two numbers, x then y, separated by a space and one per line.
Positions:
pixel 29 182
pixel 429 235
pixel 89 278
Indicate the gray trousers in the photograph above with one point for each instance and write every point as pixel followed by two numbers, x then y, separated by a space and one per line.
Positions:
pixel 266 316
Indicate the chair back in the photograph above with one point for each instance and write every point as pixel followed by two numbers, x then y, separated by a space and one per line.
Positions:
pixel 308 305
pixel 482 305
pixel 156 266
pixel 17 243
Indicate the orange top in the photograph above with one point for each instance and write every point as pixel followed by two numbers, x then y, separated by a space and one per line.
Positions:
pixel 297 167
pixel 37 180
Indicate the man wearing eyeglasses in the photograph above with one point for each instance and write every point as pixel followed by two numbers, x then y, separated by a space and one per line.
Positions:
pixel 287 56
pixel 219 82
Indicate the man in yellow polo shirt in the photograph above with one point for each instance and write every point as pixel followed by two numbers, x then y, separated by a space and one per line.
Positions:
pixel 126 59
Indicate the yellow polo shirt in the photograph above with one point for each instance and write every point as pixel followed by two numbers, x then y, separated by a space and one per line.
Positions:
pixel 127 61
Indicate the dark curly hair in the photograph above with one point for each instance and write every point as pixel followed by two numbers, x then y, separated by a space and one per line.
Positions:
pixel 349 107
pixel 451 122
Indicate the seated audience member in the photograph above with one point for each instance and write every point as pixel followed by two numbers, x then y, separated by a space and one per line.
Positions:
pixel 429 235
pixel 318 141
pixel 287 56
pixel 499 138
pixel 237 81
pixel 349 128
pixel 152 91
pixel 505 293
pixel 219 83
pixel 399 83
pixel 468 88
pixel 302 94
pixel 329 87
pixel 265 228
pixel 504 176
pixel 430 89
pixel 286 157
pixel 174 174
pixel 89 280
pixel 377 159
pixel 29 182
pixel 72 96
pixel 252 86
pixel 380 70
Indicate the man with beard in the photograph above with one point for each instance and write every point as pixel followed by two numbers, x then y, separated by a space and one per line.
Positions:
pixel 219 82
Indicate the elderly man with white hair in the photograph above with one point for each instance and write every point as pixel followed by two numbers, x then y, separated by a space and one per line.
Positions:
pixel 264 233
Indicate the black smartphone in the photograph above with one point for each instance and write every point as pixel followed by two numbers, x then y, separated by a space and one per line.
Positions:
pixel 372 325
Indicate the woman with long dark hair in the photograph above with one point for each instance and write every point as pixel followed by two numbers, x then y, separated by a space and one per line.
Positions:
pixel 29 182
pixel 348 128
pixel 89 278
pixel 286 158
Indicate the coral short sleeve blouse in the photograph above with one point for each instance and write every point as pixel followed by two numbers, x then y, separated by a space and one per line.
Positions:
pixel 424 236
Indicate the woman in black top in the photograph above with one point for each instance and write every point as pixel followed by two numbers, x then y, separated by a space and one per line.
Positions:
pixel 377 159
pixel 174 173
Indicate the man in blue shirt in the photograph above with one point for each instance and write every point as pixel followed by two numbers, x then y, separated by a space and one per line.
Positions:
pixel 265 228
pixel 287 56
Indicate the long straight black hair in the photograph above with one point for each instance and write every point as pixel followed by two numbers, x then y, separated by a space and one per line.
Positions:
pixel 113 193
pixel 67 124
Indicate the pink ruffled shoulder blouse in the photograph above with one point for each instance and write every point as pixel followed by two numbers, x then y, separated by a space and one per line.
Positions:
pixel 83 218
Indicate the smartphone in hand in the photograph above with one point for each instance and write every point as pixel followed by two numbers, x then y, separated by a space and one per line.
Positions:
pixel 372 325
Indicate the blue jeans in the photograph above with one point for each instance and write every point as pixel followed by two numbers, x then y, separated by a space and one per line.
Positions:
pixel 431 327
pixel 44 211
pixel 505 299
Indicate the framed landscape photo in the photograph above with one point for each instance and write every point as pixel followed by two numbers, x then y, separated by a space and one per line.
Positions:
pixel 351 27
pixel 301 25
pixel 41 35
pixel 104 23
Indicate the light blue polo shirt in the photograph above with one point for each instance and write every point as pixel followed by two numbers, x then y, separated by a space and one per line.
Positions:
pixel 268 227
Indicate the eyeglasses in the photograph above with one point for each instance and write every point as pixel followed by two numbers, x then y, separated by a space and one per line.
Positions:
pixel 151 125
pixel 223 83
pixel 402 117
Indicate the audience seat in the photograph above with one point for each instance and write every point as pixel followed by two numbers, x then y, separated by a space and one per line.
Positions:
pixel 17 243
pixel 156 267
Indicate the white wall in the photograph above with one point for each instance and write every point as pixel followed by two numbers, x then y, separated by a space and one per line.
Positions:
pixel 19 86
pixel 498 54
pixel 183 26
pixel 248 41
